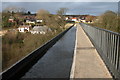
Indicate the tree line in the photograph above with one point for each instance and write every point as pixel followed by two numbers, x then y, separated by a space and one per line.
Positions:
pixel 109 20
pixel 53 21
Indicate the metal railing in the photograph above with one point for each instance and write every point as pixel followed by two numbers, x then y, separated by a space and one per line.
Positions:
pixel 18 69
pixel 107 44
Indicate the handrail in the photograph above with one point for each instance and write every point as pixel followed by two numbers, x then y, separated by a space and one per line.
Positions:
pixel 22 66
pixel 107 44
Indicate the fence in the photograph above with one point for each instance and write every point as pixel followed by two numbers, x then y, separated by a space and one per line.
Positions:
pixel 107 44
pixel 18 69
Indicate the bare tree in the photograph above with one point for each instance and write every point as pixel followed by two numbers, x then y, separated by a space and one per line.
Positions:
pixel 52 21
pixel 0 20
pixel 62 11
pixel 42 13
pixel 15 9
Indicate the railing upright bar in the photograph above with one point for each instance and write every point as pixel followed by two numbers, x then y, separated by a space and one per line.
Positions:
pixel 118 62
pixel 103 42
pixel 115 41
pixel 112 46
pixel 117 57
pixel 99 39
pixel 107 45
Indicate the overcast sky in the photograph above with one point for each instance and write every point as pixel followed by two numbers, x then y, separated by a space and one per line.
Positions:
pixel 60 0
pixel 92 8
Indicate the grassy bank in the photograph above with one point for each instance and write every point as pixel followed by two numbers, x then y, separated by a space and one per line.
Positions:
pixel 17 45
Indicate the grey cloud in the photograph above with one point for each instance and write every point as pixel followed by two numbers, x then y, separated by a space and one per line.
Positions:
pixel 94 8
pixel 60 0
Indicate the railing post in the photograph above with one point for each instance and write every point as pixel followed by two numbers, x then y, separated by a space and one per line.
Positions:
pixel 118 54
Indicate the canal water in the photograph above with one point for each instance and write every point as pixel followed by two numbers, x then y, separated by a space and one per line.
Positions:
pixel 57 61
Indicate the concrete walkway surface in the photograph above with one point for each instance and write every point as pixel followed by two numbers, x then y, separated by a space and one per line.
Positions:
pixel 88 63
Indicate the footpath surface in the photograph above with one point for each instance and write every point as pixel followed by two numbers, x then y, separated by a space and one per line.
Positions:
pixel 88 63
pixel 57 61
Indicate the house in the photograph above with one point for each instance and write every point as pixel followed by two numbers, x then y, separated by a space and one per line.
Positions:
pixel 83 20
pixel 11 19
pixel 39 21
pixel 33 21
pixel 66 18
pixel 29 21
pixel 24 28
pixel 40 30
pixel 74 19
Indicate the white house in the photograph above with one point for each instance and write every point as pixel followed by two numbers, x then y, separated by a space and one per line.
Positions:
pixel 30 21
pixel 83 21
pixel 39 20
pixel 40 30
pixel 66 18
pixel 24 28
